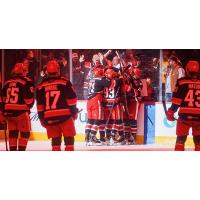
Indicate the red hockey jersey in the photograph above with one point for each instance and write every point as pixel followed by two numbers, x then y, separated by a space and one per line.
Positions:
pixel 56 100
pixel 112 94
pixel 96 86
pixel 17 96
pixel 187 97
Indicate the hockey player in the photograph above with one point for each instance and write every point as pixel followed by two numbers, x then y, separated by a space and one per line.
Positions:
pixel 112 105
pixel 187 97
pixel 56 105
pixel 94 106
pixel 2 119
pixel 18 98
pixel 132 102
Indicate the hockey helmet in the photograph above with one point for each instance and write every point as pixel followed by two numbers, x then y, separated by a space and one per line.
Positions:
pixel 52 67
pixel 110 73
pixel 137 72
pixel 192 67
pixel 18 68
pixel 25 68
pixel 98 72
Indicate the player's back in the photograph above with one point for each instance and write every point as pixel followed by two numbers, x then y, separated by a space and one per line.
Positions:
pixel 187 95
pixel 55 96
pixel 15 96
pixel 96 86
pixel 112 93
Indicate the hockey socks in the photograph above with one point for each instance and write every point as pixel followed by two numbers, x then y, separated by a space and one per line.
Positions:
pixel 179 147
pixel 13 136
pixel 56 144
pixel 69 143
pixel 180 143
pixel 23 141
pixel 196 139
pixel 56 148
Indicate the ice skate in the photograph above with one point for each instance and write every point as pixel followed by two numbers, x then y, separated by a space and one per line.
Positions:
pixel 94 140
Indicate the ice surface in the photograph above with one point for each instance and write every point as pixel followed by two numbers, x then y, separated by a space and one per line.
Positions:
pixel 81 146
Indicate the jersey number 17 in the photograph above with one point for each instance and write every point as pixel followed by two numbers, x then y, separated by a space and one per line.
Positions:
pixel 52 95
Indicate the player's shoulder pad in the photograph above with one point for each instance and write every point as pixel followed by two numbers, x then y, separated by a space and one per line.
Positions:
pixel 64 78
pixel 28 79
pixel 40 86
pixel 182 79
pixel 68 83
pixel 19 79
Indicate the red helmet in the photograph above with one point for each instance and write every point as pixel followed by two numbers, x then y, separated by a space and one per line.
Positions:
pixel 25 69
pixel 192 66
pixel 18 68
pixel 110 73
pixel 97 72
pixel 52 67
pixel 137 72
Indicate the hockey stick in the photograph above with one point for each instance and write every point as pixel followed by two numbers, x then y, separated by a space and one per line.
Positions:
pixel 80 110
pixel 4 128
pixel 109 116
pixel 5 133
pixel 129 65
pixel 164 106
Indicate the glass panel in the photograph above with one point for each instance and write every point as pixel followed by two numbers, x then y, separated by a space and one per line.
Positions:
pixel 27 56
pixel 147 60
pixel 0 68
pixel 173 64
pixel 60 55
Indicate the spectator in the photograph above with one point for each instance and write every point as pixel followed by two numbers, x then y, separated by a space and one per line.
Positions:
pixel 78 74
pixel 116 63
pixel 150 90
pixel 165 65
pixel 173 73
pixel 31 62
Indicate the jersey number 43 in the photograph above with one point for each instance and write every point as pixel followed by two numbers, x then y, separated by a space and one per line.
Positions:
pixel 193 98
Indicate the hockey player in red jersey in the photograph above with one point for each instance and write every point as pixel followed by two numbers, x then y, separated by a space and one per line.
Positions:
pixel 133 88
pixel 133 101
pixel 186 97
pixel 56 105
pixel 2 119
pixel 94 106
pixel 112 105
pixel 18 98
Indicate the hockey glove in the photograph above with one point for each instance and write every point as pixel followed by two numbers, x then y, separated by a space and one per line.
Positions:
pixel 75 112
pixel 170 115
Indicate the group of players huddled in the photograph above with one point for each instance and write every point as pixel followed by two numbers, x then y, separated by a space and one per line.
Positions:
pixel 113 101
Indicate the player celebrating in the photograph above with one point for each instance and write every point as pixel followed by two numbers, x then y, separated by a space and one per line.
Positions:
pixel 18 98
pixel 112 105
pixel 56 104
pixel 133 102
pixel 187 97
pixel 94 106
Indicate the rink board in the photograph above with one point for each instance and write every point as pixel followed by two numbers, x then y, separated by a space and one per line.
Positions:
pixel 153 126
pixel 165 131
pixel 39 132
